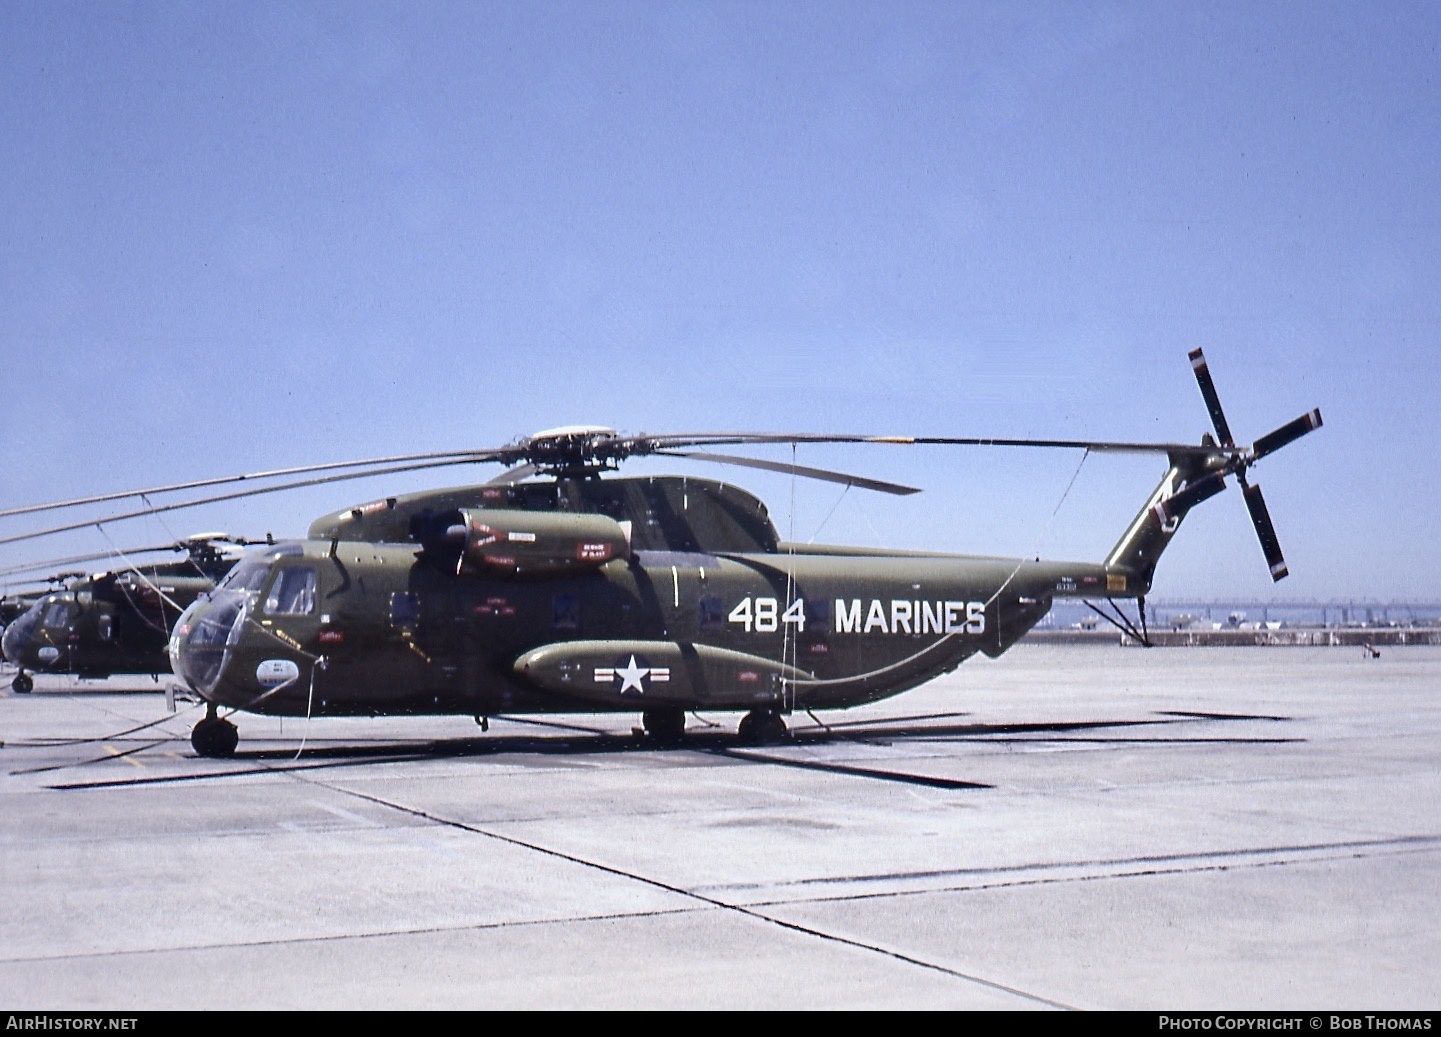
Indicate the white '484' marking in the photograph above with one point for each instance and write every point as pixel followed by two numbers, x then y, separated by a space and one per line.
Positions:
pixel 764 615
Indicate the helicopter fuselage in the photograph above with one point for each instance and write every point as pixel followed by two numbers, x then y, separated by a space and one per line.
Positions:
pixel 356 628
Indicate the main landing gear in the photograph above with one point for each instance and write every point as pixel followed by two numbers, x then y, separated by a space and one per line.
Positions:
pixel 664 725
pixel 22 684
pixel 214 736
pixel 763 727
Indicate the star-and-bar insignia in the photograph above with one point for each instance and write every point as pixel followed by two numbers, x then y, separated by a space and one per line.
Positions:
pixel 631 674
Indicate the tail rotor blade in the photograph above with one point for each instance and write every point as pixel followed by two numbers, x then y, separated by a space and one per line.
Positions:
pixel 1261 518
pixel 1193 493
pixel 1292 430
pixel 1213 401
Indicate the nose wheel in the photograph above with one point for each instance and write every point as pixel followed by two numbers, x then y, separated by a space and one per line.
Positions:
pixel 22 684
pixel 214 737
pixel 763 727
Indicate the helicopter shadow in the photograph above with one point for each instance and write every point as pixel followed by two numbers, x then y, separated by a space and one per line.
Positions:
pixel 101 689
pixel 576 742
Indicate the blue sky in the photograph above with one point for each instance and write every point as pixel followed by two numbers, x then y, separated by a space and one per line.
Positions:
pixel 240 236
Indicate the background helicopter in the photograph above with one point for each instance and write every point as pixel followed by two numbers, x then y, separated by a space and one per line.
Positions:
pixel 552 589
pixel 114 622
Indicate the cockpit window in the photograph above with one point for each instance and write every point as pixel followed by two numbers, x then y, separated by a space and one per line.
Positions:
pixel 57 615
pixel 292 593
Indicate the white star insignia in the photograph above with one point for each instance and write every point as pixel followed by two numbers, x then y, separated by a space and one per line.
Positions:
pixel 631 675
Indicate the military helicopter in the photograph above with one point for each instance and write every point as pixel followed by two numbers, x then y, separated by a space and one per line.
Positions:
pixel 114 622
pixel 554 588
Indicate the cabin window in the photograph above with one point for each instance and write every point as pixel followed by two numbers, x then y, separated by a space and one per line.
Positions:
pixel 566 611
pixel 105 627
pixel 405 610
pixel 711 612
pixel 57 615
pixel 292 593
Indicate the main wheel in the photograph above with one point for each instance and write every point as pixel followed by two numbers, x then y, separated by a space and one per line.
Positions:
pixel 214 737
pixel 763 727
pixel 666 726
pixel 22 684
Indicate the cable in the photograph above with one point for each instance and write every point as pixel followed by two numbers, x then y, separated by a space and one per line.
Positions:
pixel 818 682
pixel 145 579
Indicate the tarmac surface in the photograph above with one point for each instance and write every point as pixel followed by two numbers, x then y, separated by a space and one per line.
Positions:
pixel 1067 827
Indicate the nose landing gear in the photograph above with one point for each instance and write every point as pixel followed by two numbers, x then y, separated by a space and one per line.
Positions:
pixel 213 736
pixel 22 684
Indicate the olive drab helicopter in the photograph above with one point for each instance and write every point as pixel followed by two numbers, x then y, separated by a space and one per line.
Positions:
pixel 559 588
pixel 98 624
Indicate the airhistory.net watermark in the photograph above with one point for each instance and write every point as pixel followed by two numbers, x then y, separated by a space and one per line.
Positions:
pixel 31 1021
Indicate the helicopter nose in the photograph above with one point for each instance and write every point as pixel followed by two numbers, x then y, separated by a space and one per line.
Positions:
pixel 17 637
pixel 200 646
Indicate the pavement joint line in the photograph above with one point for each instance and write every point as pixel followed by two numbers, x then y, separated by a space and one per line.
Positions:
pixel 379 934
pixel 1092 877
pixel 689 894
pixel 1403 843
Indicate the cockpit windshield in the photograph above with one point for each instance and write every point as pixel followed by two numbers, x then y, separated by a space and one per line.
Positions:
pixel 57 615
pixel 247 576
pixel 17 634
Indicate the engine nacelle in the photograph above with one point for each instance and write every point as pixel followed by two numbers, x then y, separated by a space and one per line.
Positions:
pixel 498 542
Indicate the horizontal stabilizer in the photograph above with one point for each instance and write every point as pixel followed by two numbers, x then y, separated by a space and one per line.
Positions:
pixel 1176 505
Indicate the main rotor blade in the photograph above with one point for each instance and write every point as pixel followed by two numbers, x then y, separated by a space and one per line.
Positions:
pixel 1213 401
pixel 177 506
pixel 513 475
pixel 795 469
pixel 442 458
pixel 1292 430
pixel 59 563
pixel 32 588
pixel 657 444
pixel 1261 519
